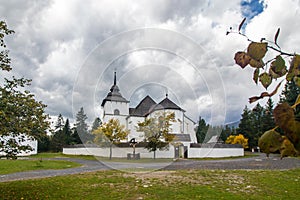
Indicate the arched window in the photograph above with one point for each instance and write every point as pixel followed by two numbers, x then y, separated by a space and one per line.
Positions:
pixel 116 112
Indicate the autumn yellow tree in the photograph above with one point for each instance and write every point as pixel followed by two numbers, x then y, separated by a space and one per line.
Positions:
pixel 237 139
pixel 157 131
pixel 110 133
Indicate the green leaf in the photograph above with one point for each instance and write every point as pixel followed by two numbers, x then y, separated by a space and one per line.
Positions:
pixel 278 64
pixel 278 68
pixel 255 75
pixel 257 50
pixel 265 79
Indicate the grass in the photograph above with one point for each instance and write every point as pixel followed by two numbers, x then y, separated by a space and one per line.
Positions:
pixel 185 184
pixel 12 166
pixel 106 159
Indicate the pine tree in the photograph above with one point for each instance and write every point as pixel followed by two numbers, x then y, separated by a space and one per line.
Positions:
pixel 289 95
pixel 62 137
pixel 97 122
pixel 246 125
pixel 268 120
pixel 201 130
pixel 66 131
pixel 82 127
pixel 226 132
pixel 59 123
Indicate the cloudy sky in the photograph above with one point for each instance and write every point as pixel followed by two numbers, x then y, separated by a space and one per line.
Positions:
pixel 71 48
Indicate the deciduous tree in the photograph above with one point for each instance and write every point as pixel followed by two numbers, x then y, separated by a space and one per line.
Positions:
pixel 21 115
pixel 110 133
pixel 157 131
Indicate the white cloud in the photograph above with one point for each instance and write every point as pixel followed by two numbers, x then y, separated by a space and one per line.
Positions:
pixel 55 40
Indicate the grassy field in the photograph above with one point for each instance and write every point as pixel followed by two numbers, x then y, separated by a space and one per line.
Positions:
pixel 187 184
pixel 106 159
pixel 11 166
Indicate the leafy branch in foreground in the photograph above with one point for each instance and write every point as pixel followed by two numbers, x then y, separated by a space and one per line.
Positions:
pixel 265 71
pixel 22 117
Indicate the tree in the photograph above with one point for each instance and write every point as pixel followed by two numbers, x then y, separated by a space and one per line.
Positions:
pixel 246 125
pixel 267 118
pixel 289 95
pixel 110 133
pixel 273 69
pixel 59 123
pixel 201 130
pixel 157 131
pixel 81 126
pixel 257 126
pixel 21 115
pixel 61 137
pixel 97 122
pixel 226 132
pixel 67 133
pixel 237 139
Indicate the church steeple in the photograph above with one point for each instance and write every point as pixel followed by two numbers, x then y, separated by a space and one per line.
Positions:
pixel 115 78
pixel 114 94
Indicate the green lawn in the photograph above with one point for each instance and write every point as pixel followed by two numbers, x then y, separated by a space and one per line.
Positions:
pixel 11 166
pixel 185 184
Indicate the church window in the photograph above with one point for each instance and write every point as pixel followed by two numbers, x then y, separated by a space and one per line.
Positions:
pixel 116 112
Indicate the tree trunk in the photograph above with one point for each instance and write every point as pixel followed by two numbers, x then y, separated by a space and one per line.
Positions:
pixel 110 152
pixel 154 154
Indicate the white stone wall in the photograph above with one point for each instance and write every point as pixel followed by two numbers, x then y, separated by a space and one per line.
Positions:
pixel 214 152
pixel 110 106
pixel 144 153
pixel 119 152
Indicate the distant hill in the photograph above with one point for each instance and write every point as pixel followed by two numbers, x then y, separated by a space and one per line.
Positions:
pixel 233 124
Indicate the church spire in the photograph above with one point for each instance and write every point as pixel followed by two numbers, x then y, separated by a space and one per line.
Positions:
pixel 115 78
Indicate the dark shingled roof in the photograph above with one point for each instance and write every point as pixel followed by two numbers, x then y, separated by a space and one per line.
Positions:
pixel 114 94
pixel 167 104
pixel 143 108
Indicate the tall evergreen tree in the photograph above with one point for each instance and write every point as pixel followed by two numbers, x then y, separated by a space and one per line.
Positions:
pixel 257 124
pixel 226 132
pixel 61 137
pixel 246 125
pixel 59 123
pixel 67 133
pixel 289 95
pixel 82 127
pixel 268 120
pixel 201 130
pixel 97 122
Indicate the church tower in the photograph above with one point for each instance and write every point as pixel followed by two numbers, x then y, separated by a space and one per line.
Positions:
pixel 115 105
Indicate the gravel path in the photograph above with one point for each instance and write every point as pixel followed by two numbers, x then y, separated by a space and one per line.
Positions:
pixel 257 162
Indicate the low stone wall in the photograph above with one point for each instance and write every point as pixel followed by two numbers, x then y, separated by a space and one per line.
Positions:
pixel 118 152
pixel 194 151
pixel 215 152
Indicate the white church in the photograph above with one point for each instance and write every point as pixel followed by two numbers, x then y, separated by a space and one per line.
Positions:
pixel 184 145
pixel 117 107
